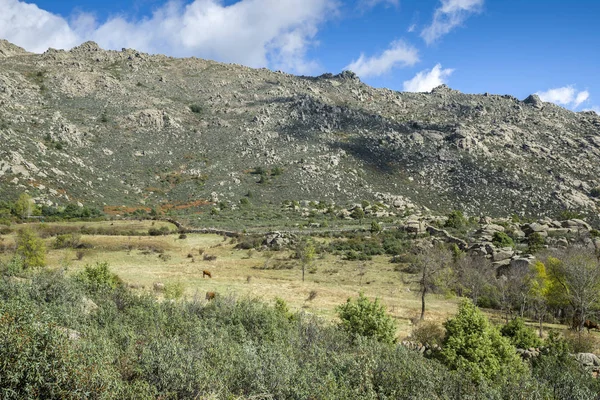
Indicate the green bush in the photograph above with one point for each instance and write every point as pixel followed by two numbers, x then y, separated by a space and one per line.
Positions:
pixel 565 378
pixel 362 317
pixel 521 336
pixel 133 346
pixel 70 240
pixel 456 220
pixel 595 192
pixel 31 249
pixel 174 291
pixel 99 276
pixel 196 109
pixel 501 239
pixel 473 347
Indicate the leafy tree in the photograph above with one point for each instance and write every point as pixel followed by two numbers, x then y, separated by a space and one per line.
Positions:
pixel 358 213
pixel 367 318
pixel 31 249
pixel 305 252
pixel 520 335
pixel 24 206
pixel 539 288
pixel 575 281
pixel 476 348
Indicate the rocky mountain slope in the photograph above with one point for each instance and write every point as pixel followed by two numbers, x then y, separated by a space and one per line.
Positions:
pixel 123 127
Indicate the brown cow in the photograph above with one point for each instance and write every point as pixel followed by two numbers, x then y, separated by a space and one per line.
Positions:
pixel 590 325
pixel 206 273
pixel 210 296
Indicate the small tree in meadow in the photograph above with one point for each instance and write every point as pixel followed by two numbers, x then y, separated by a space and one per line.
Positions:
pixel 476 348
pixel 362 317
pixel 31 249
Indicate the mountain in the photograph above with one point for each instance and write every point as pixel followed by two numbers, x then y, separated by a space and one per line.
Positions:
pixel 127 128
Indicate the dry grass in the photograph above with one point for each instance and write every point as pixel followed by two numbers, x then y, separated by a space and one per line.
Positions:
pixel 143 260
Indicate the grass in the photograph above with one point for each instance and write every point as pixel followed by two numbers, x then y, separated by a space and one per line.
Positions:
pixel 240 273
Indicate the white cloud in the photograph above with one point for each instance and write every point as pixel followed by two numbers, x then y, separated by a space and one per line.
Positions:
pixel 448 16
pixel 412 28
pixel 580 98
pixel 426 80
pixel 374 3
pixel 398 54
pixel 565 96
pixel 257 33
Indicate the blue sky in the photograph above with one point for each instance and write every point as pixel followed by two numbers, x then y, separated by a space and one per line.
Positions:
pixel 513 47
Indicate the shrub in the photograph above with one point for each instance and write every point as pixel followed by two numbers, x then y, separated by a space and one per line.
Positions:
pixel 521 336
pixel 477 349
pixel 71 240
pixel 501 239
pixel 362 317
pixel 428 332
pixel 358 213
pixel 163 230
pixel 556 369
pixel 375 227
pixel 595 192
pixel 196 109
pixel 31 249
pixel 174 291
pixel 456 220
pixel 98 276
pixel 13 267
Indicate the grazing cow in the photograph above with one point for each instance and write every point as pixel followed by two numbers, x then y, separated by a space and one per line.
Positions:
pixel 206 273
pixel 210 296
pixel 590 325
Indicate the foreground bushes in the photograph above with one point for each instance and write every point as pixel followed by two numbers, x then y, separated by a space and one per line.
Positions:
pixel 53 345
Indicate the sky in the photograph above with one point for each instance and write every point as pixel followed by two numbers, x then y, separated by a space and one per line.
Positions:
pixel 515 47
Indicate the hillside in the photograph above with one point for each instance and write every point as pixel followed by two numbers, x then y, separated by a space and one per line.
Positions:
pixel 125 128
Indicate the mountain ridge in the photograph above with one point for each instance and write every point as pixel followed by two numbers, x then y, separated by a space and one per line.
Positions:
pixel 127 128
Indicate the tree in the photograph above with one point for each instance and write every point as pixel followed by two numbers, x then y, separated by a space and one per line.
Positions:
pixel 575 281
pixel 473 276
pixel 31 249
pixel 429 265
pixel 365 318
pixel 476 348
pixel 305 252
pixel 358 213
pixel 23 206
pixel 539 287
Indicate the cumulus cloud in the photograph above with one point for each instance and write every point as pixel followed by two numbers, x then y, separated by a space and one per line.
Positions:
pixel 565 96
pixel 448 16
pixel 398 54
pixel 257 33
pixel 426 80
